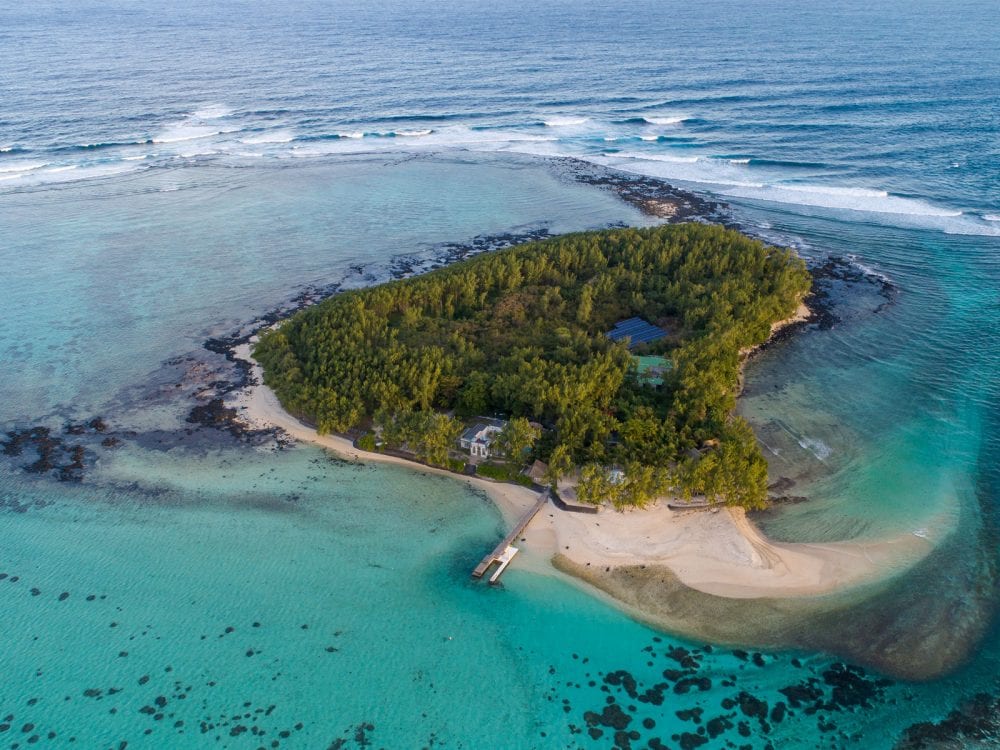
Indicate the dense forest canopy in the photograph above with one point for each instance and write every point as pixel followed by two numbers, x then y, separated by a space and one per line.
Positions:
pixel 521 332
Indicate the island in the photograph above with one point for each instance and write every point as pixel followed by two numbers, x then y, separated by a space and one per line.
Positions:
pixel 604 366
pixel 608 357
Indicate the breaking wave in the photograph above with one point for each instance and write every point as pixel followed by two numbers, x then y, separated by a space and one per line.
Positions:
pixel 560 122
pixel 664 120
pixel 214 131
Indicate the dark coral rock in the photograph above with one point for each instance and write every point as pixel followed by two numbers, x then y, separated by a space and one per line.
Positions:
pixel 717 726
pixel 852 688
pixel 685 658
pixel 213 414
pixel 623 679
pixel 684 685
pixel 751 706
pixel 690 714
pixel 976 720
pixel 623 740
pixel 654 695
pixel 804 694
pixel 689 741
pixel 612 717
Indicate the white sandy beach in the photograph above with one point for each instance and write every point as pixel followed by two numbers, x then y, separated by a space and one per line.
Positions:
pixel 718 552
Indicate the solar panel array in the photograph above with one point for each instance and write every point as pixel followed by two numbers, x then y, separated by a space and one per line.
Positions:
pixel 636 329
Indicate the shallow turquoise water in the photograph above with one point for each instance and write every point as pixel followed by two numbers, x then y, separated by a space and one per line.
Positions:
pixel 357 578
pixel 160 260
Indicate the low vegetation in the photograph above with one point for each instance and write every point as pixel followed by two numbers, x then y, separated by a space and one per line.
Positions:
pixel 521 332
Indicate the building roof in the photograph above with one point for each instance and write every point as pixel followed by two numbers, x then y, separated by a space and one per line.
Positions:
pixel 472 434
pixel 637 330
pixel 537 471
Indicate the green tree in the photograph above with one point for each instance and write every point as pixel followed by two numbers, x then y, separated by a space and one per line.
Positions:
pixel 516 438
pixel 641 485
pixel 596 487
pixel 734 472
pixel 434 436
pixel 560 464
pixel 586 306
pixel 513 330
pixel 473 398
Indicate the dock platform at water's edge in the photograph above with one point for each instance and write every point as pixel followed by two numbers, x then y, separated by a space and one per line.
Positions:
pixel 504 552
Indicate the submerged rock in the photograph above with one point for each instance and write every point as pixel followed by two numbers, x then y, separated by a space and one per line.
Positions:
pixel 975 723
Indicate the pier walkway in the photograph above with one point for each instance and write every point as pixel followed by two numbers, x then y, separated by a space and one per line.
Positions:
pixel 504 552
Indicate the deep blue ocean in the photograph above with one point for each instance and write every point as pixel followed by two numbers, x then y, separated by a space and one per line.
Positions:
pixel 172 172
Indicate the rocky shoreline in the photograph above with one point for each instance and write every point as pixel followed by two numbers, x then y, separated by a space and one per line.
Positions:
pixel 654 197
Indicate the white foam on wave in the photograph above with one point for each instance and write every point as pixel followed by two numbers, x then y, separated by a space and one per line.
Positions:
pixel 664 120
pixel 207 149
pixel 15 168
pixel 455 136
pixel 817 447
pixel 845 198
pixel 199 124
pixel 207 129
pixel 730 180
pixel 665 158
pixel 71 173
pixel 673 166
pixel 415 133
pixel 564 121
pixel 868 270
pixel 892 209
pixel 184 132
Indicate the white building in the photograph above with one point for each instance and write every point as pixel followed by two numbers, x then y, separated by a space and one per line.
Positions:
pixel 479 438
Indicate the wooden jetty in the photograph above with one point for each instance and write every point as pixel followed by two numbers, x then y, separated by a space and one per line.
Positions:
pixel 504 552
